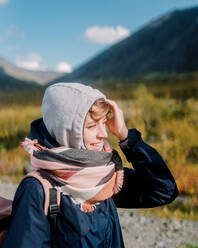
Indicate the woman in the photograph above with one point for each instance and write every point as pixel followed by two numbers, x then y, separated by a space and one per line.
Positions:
pixel 89 175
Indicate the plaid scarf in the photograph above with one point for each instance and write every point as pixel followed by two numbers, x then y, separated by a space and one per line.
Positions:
pixel 88 177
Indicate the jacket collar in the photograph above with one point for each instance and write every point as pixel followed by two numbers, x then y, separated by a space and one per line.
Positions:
pixel 39 131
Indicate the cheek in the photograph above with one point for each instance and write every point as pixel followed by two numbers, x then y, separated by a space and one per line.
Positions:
pixel 88 136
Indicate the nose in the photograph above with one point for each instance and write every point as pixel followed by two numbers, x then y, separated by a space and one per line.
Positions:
pixel 102 132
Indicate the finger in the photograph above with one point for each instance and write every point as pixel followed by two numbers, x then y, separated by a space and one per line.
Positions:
pixel 114 107
pixel 112 104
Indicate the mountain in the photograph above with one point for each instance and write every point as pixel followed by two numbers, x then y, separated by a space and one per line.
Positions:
pixel 167 45
pixel 8 83
pixel 41 77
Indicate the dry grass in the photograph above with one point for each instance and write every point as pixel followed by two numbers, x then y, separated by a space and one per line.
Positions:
pixel 169 125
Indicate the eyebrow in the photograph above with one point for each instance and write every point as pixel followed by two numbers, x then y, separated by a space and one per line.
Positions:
pixel 91 122
pixel 94 121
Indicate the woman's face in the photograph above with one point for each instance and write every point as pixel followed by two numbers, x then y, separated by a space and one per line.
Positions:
pixel 95 133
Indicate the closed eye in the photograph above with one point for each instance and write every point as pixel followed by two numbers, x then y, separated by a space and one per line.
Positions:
pixel 91 126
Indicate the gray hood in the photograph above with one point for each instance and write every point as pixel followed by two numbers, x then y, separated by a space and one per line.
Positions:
pixel 64 109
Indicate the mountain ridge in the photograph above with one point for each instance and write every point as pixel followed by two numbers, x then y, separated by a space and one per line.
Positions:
pixel 40 77
pixel 168 44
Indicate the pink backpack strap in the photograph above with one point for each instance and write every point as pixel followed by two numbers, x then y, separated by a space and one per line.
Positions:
pixel 46 187
pixel 5 207
pixel 5 211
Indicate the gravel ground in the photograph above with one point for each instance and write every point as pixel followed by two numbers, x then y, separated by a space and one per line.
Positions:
pixel 144 232
pixel 152 232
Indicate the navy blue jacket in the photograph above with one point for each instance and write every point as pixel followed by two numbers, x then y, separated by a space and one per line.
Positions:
pixel 149 184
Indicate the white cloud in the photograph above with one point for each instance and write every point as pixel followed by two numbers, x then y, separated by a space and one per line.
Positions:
pixel 2 2
pixel 106 35
pixel 63 67
pixel 32 61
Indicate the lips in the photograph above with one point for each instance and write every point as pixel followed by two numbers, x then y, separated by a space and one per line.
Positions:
pixel 97 146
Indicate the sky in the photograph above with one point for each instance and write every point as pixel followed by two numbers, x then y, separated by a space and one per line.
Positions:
pixel 62 35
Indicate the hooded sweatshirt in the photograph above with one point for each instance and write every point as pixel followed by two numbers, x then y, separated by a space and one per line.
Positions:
pixel 64 109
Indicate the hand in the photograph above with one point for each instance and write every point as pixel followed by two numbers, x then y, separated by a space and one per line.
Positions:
pixel 116 123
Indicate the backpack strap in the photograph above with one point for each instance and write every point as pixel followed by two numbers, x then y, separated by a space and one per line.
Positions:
pixel 52 196
pixel 51 205
pixel 52 213
pixel 54 207
pixel 5 207
pixel 52 201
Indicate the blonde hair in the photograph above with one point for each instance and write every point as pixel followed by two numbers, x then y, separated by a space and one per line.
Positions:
pixel 99 109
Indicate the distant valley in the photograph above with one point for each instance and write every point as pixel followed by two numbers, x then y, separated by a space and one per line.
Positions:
pixel 13 77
